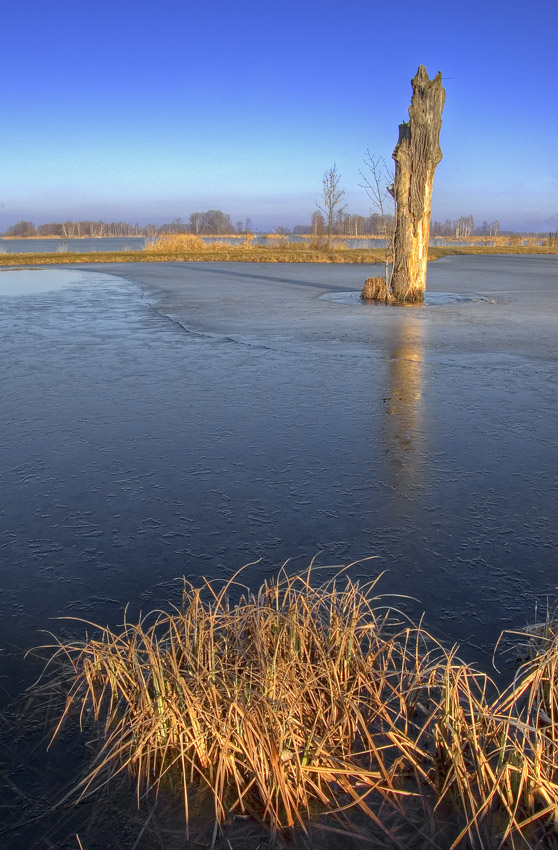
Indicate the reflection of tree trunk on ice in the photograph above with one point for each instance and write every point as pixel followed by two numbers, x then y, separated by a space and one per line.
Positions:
pixel 404 426
pixel 416 156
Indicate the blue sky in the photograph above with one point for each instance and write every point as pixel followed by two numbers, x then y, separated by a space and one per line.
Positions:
pixel 147 112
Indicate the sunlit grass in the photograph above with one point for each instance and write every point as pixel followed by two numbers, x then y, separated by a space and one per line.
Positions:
pixel 434 252
pixel 180 242
pixel 377 289
pixel 242 248
pixel 274 705
pixel 307 699
pixel 245 248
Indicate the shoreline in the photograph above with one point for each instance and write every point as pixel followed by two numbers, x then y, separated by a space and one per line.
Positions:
pixel 261 254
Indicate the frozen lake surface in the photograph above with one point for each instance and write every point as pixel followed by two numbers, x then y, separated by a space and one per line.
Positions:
pixel 186 418
pixel 32 281
pixel 171 419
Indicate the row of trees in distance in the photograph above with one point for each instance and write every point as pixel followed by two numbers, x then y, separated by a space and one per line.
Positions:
pixel 210 221
pixel 346 224
pixel 218 223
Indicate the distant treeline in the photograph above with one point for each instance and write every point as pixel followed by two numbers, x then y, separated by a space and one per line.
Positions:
pixel 218 223
pixel 212 221
pixel 346 224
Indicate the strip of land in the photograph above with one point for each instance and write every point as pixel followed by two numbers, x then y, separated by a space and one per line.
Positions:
pixel 256 254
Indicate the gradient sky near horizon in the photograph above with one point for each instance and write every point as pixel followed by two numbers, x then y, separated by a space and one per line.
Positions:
pixel 143 112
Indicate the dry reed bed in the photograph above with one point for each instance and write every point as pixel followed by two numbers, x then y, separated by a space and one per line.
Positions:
pixel 230 253
pixel 435 251
pixel 304 699
pixel 191 248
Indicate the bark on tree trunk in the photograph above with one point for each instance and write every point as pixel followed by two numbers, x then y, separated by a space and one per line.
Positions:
pixel 416 156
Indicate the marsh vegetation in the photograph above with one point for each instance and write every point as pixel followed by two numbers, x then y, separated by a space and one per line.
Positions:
pixel 277 248
pixel 308 705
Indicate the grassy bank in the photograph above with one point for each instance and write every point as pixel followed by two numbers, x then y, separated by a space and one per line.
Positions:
pixel 259 254
pixel 189 248
pixel 435 252
pixel 308 704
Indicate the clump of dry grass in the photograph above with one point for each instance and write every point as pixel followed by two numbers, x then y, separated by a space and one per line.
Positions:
pixel 278 705
pixel 174 243
pixel 307 698
pixel 376 289
pixel 492 759
pixel 527 718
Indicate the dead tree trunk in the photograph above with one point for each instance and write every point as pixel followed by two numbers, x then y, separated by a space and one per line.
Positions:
pixel 416 156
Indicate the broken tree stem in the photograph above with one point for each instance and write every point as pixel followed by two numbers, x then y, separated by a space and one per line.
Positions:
pixel 416 156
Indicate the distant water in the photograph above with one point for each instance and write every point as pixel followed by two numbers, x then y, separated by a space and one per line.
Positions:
pixel 44 246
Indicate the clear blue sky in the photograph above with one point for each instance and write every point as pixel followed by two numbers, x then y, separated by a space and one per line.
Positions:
pixel 146 112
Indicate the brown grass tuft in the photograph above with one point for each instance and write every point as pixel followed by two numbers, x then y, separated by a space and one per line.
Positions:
pixel 376 289
pixel 178 242
pixel 304 699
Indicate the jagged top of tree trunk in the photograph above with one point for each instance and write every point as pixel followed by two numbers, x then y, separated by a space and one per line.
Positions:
pixel 425 117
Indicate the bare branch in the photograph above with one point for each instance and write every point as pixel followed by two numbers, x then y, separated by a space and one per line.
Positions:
pixel 378 185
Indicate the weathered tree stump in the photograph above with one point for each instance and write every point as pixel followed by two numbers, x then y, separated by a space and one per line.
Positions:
pixel 416 156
